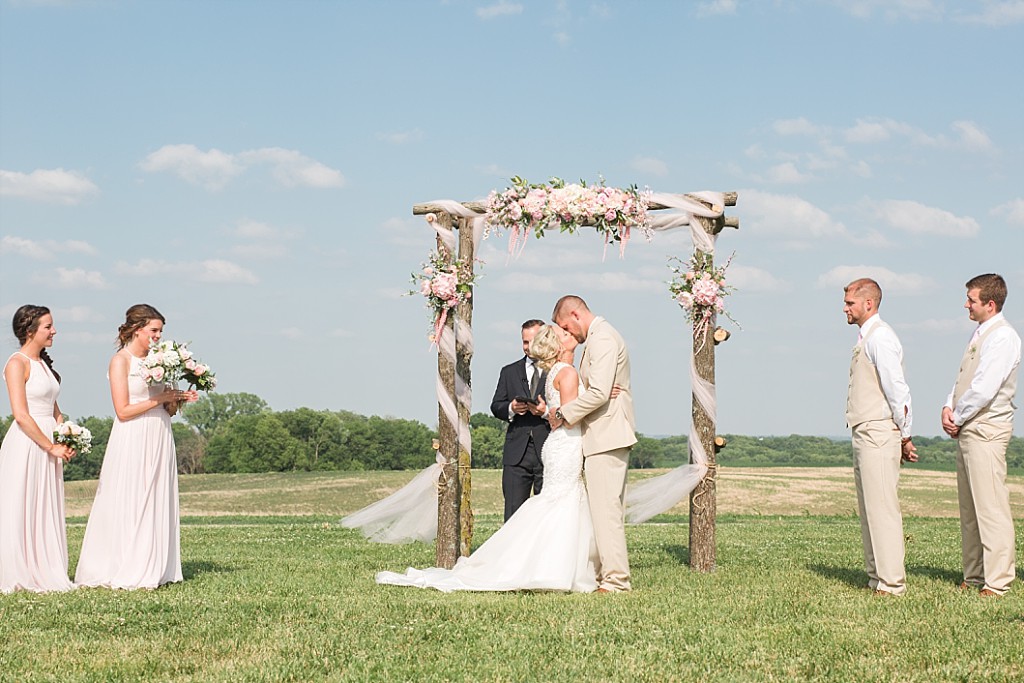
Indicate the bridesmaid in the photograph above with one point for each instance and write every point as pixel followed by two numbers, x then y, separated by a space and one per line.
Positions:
pixel 132 538
pixel 33 540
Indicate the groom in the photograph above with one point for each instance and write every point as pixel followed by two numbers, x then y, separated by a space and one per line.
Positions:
pixel 609 432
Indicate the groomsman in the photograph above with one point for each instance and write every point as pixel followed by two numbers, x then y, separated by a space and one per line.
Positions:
pixel 878 411
pixel 979 415
pixel 522 470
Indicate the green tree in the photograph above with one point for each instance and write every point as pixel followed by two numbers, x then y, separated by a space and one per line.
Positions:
pixel 190 447
pixel 322 434
pixel 87 466
pixel 252 443
pixel 213 410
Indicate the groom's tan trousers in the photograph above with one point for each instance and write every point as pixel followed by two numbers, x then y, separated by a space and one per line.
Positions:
pixel 606 489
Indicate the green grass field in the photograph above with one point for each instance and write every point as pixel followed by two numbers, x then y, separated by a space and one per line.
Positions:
pixel 275 591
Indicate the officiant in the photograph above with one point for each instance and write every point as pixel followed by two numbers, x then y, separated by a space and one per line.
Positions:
pixel 519 400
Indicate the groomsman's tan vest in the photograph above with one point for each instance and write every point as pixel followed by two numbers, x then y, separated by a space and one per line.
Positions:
pixel 865 400
pixel 1000 410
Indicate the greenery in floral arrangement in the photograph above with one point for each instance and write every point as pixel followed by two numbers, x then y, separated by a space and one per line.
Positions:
pixel 535 207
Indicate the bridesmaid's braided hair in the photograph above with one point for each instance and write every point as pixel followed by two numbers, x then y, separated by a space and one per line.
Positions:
pixel 25 324
pixel 135 318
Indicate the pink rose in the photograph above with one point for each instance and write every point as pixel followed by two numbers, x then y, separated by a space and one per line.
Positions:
pixel 609 215
pixel 156 373
pixel 200 370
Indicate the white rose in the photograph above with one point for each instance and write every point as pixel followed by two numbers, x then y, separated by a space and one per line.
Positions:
pixel 75 429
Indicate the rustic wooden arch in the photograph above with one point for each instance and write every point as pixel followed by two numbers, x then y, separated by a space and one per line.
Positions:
pixel 454 512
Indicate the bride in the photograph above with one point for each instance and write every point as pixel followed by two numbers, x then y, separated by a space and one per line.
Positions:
pixel 548 544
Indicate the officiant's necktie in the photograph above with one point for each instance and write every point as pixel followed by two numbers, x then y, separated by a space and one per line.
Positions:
pixel 535 382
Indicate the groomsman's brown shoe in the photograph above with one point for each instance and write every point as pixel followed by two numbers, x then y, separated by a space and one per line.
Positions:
pixel 988 593
pixel 881 593
pixel 603 590
pixel 964 586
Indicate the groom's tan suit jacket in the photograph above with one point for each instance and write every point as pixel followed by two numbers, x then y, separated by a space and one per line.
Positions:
pixel 607 424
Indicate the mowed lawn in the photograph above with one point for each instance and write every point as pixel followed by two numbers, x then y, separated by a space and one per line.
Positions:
pixel 274 590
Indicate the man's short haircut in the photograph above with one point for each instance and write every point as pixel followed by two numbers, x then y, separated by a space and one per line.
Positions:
pixel 568 303
pixel 865 288
pixel 991 287
pixel 533 322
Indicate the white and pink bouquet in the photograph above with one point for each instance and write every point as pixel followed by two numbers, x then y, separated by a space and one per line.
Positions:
pixel 700 289
pixel 524 208
pixel 74 436
pixel 169 362
pixel 444 286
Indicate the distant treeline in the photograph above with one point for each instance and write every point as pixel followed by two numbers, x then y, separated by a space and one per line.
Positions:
pixel 240 433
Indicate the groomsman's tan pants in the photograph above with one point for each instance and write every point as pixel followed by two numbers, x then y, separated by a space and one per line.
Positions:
pixel 876 471
pixel 606 489
pixel 986 523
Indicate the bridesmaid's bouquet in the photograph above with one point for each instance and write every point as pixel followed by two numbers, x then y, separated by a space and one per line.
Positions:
pixel 169 362
pixel 74 436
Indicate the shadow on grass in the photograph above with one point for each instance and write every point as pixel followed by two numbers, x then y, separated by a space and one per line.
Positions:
pixel 851 577
pixel 943 574
pixel 190 570
pixel 680 552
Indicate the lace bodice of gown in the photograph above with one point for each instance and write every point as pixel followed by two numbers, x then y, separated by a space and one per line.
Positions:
pixel 562 454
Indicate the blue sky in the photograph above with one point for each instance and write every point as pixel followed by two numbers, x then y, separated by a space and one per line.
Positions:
pixel 249 168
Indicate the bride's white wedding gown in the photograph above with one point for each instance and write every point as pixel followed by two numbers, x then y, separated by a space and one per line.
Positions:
pixel 548 544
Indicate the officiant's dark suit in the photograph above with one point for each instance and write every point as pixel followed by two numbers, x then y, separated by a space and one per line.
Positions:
pixel 522 470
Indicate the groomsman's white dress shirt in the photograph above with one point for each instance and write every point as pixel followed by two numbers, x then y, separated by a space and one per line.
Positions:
pixel 884 351
pixel 1002 355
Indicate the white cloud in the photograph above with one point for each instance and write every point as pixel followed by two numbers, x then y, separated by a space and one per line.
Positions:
pixel 903 283
pixel 916 218
pixel 401 137
pixel 211 169
pixel 499 9
pixel 787 215
pixel 46 250
pixel 752 279
pixel 996 13
pixel 892 10
pixel 787 174
pixel 215 169
pixel 47 185
pixel 254 230
pixel 716 7
pixel 73 278
pixel 800 126
pixel 213 271
pixel 9 244
pixel 291 168
pixel 972 137
pixel 79 337
pixel 967 134
pixel 649 165
pixel 1012 211
pixel 562 38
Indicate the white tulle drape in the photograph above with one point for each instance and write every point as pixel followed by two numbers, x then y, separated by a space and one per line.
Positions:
pixel 410 514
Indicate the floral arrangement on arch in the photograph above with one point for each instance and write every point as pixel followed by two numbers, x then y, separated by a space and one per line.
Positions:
pixel 444 285
pixel 700 289
pixel 528 207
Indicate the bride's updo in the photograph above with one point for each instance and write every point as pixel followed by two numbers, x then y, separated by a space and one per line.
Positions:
pixel 546 346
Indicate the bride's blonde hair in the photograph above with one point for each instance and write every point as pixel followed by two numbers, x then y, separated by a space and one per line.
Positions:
pixel 546 346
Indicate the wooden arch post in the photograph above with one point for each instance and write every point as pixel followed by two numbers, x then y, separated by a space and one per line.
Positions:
pixel 454 512
pixel 703 498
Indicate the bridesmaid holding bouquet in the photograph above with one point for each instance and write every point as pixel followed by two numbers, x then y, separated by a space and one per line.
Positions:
pixel 33 538
pixel 132 539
